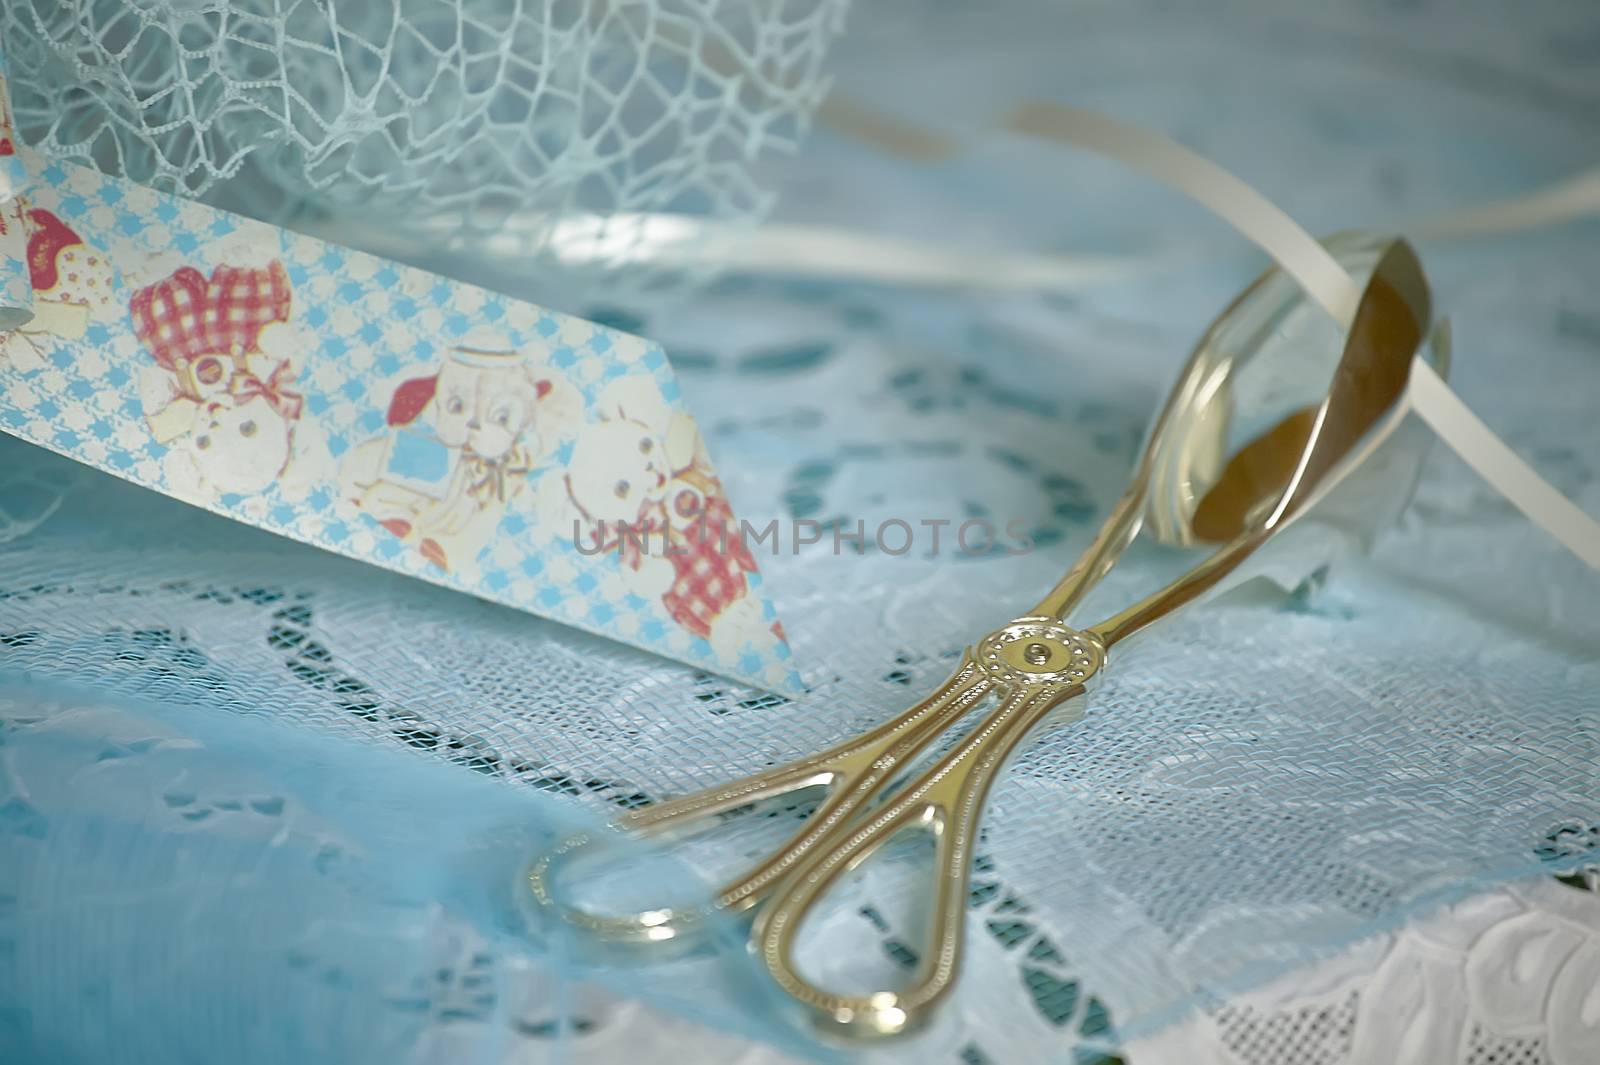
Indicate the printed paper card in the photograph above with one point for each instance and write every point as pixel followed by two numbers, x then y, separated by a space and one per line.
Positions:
pixel 391 415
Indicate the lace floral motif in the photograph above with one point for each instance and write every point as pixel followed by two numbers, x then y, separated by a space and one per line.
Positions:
pixel 1507 978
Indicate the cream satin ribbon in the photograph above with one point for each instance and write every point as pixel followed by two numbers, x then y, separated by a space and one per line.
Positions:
pixel 1298 254
pixel 850 254
pixel 676 240
pixel 624 238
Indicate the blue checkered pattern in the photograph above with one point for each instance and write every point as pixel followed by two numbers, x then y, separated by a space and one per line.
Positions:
pixel 375 324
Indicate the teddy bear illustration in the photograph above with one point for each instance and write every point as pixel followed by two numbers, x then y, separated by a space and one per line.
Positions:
pixel 73 284
pixel 458 450
pixel 220 394
pixel 643 487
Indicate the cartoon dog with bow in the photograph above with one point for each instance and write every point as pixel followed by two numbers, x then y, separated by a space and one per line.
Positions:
pixel 459 448
pixel 221 394
pixel 642 486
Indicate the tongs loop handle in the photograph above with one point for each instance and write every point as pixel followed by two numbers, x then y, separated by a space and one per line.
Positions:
pixel 947 801
pixel 855 773
pixel 678 816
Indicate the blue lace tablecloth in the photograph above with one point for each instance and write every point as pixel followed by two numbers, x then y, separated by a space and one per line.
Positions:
pixel 1277 776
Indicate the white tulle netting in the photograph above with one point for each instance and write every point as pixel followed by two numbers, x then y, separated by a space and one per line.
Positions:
pixel 464 133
